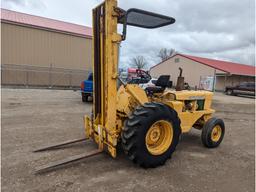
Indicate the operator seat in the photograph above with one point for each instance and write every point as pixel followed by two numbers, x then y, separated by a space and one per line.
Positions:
pixel 161 83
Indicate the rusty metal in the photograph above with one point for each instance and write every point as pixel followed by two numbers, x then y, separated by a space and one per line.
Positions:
pixel 72 159
pixel 56 146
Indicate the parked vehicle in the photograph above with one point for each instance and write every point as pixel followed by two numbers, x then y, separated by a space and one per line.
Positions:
pixel 87 88
pixel 247 88
pixel 138 80
pixel 151 83
pixel 144 83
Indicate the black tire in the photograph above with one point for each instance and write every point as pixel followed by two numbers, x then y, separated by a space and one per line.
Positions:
pixel 207 131
pixel 85 97
pixel 229 92
pixel 135 130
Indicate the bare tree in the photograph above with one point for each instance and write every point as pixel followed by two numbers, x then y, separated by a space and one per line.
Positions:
pixel 172 52
pixel 139 62
pixel 166 53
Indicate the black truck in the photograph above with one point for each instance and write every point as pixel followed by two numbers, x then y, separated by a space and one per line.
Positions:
pixel 247 88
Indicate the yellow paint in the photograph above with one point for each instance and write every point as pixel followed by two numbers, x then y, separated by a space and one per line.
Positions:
pixel 159 137
pixel 103 128
pixel 176 100
pixel 188 119
pixel 216 133
pixel 137 93
pixel 124 100
pixel 190 95
pixel 176 105
pixel 128 97
pixel 87 126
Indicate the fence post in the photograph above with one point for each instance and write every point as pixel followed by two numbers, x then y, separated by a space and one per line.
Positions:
pixel 50 76
pixel 27 79
pixel 2 75
pixel 214 81
pixel 70 79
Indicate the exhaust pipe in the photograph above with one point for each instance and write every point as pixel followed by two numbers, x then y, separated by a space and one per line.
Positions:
pixel 180 81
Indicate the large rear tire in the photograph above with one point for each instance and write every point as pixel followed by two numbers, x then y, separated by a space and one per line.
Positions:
pixel 151 134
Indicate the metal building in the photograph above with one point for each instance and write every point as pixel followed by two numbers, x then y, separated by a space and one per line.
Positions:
pixel 198 70
pixel 38 51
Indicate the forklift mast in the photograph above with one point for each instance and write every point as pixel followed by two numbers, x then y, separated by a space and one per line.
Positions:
pixel 105 63
pixel 106 41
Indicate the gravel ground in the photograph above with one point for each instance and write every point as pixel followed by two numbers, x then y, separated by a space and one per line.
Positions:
pixel 35 118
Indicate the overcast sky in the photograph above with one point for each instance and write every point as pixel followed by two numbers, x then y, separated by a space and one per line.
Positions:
pixel 219 29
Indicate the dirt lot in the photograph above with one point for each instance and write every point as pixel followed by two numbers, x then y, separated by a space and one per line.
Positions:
pixel 35 118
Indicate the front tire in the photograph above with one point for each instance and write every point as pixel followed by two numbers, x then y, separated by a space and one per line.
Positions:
pixel 151 134
pixel 213 132
pixel 85 97
pixel 229 92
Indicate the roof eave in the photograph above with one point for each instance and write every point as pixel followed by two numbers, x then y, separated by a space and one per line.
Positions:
pixel 242 74
pixel 165 60
pixel 45 28
pixel 230 73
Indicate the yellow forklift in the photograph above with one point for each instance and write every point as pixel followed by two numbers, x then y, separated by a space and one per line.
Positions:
pixel 147 124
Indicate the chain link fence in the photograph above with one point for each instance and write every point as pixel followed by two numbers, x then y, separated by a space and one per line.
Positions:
pixel 44 77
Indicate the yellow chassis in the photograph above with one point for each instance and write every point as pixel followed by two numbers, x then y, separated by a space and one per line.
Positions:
pixel 127 102
pixel 111 107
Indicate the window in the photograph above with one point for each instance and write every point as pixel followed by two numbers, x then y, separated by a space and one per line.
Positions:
pixel 245 85
pixel 177 60
pixel 252 85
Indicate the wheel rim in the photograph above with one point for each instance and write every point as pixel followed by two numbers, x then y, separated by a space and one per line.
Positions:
pixel 216 133
pixel 159 137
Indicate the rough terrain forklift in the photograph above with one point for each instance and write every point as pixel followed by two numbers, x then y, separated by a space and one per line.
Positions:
pixel 148 124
